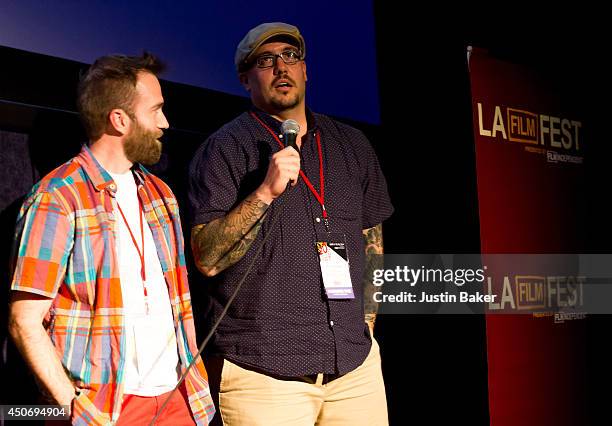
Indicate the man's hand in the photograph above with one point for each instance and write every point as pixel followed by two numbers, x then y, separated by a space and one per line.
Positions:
pixel 222 242
pixel 370 320
pixel 284 166
pixel 26 314
pixel 373 242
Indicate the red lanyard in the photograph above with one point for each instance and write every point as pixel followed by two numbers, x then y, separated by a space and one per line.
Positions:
pixel 320 197
pixel 143 273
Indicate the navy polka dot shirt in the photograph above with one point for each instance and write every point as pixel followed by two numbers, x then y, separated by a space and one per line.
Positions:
pixel 281 322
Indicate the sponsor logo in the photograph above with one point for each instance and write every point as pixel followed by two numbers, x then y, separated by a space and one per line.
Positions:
pixel 558 139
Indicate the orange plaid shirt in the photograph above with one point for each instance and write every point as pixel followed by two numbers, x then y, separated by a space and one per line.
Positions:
pixel 66 250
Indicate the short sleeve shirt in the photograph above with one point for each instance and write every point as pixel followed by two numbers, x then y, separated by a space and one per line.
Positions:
pixel 281 322
pixel 66 250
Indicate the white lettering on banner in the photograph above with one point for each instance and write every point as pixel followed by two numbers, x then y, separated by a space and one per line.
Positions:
pixel 483 131
pixel 498 123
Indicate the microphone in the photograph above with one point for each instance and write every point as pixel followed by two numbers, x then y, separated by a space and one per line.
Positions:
pixel 290 129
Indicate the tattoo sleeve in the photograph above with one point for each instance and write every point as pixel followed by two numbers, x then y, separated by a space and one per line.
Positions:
pixel 222 242
pixel 373 260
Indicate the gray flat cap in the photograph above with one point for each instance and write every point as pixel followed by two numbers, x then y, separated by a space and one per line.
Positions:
pixel 262 33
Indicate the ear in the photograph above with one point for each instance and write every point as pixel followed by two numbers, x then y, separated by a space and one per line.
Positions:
pixel 244 80
pixel 304 70
pixel 119 121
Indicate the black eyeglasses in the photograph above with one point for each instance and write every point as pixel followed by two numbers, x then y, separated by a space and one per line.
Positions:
pixel 267 60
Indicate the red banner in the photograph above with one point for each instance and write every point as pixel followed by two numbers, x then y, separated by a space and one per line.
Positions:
pixel 529 173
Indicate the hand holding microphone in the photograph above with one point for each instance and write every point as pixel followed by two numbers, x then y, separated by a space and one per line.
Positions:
pixel 284 167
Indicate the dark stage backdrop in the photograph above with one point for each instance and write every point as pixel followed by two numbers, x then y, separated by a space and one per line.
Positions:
pixel 435 367
pixel 437 371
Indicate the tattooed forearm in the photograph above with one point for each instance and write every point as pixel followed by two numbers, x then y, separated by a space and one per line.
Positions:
pixel 224 241
pixel 373 260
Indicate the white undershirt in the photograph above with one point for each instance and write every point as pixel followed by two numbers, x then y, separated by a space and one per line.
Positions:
pixel 151 361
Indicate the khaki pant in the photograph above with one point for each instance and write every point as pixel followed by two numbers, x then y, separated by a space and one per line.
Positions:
pixel 249 398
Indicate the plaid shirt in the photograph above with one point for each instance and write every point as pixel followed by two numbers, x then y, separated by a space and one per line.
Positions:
pixel 66 250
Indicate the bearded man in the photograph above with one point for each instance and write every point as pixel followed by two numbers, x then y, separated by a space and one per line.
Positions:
pixel 296 346
pixel 100 305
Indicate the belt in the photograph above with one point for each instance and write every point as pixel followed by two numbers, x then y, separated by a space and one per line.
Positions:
pixel 320 378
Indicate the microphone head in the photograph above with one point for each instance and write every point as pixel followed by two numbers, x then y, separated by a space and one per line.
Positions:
pixel 290 127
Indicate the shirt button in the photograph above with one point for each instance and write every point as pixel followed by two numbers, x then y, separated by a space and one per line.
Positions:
pixel 112 186
pixel 318 219
pixel 331 323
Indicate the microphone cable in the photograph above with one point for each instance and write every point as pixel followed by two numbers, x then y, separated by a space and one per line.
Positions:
pixel 280 204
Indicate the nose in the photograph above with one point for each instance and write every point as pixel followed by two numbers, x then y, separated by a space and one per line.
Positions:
pixel 279 65
pixel 162 121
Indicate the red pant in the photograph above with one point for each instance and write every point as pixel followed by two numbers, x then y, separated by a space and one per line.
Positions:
pixel 140 410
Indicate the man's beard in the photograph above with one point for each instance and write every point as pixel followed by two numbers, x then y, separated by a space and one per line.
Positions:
pixel 141 145
pixel 282 103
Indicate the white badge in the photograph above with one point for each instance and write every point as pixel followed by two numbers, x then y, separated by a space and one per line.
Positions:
pixel 335 267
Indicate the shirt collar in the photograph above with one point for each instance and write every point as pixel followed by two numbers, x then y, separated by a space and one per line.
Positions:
pixel 275 124
pixel 99 177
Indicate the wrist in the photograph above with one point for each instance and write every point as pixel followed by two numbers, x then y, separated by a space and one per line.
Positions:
pixel 68 396
pixel 264 194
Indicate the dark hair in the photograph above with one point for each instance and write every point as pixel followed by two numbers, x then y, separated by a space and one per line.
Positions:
pixel 110 83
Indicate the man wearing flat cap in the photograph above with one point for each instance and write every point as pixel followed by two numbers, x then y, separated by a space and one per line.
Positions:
pixel 293 347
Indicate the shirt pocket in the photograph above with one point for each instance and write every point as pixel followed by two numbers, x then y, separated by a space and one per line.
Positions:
pixel 344 200
pixel 346 216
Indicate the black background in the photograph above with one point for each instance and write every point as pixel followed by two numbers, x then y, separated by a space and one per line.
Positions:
pixel 435 366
